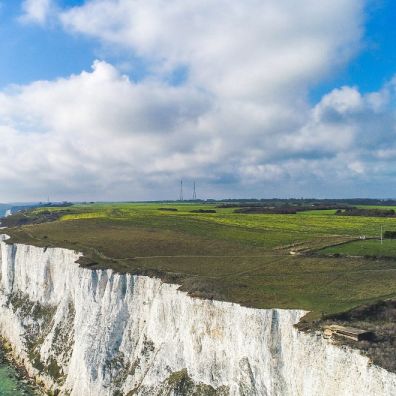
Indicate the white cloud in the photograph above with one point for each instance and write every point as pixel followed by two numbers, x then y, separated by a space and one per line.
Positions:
pixel 36 11
pixel 99 135
pixel 245 50
pixel 342 101
pixel 241 120
pixel 92 129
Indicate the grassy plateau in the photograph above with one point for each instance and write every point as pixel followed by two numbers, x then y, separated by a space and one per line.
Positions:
pixel 243 258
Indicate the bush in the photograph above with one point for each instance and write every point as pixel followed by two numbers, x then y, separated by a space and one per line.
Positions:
pixel 366 212
pixel 390 234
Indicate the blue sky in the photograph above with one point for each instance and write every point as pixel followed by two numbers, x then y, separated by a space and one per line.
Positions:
pixel 297 99
pixel 375 63
pixel 30 52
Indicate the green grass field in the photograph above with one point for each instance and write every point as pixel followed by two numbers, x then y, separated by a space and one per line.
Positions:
pixel 368 247
pixel 244 258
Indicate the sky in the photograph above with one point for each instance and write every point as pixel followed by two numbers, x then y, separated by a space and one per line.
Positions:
pixel 121 99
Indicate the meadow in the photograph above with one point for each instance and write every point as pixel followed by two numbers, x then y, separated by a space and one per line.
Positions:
pixel 243 258
pixel 368 248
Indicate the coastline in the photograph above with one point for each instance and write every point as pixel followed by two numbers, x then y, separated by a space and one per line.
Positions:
pixel 25 385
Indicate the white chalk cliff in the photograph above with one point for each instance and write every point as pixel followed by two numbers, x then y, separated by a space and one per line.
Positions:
pixel 88 332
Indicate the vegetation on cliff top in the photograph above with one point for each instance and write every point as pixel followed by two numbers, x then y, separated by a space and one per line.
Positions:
pixel 244 258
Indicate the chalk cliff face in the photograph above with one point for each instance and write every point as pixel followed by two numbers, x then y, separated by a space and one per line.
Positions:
pixel 85 332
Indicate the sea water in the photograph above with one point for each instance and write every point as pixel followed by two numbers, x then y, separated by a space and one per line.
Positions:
pixel 11 382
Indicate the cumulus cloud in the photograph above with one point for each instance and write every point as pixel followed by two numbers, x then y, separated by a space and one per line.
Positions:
pixel 239 123
pixel 36 11
pixel 245 50
pixel 97 128
pixel 100 135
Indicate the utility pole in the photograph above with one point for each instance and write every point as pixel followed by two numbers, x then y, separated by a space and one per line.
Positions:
pixel 181 190
pixel 381 236
pixel 194 193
